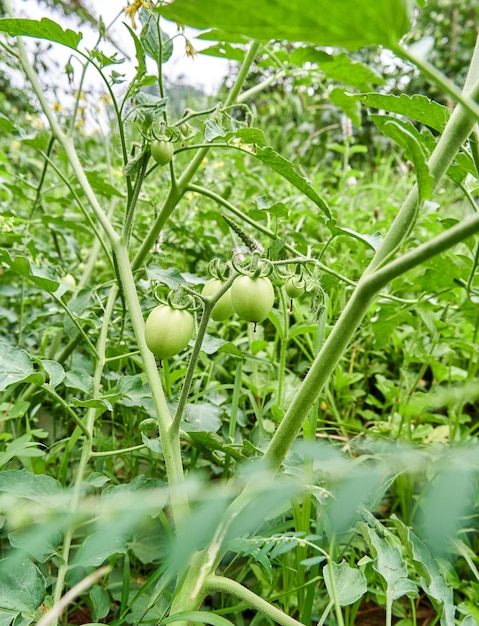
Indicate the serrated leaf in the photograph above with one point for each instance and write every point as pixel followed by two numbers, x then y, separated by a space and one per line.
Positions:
pixel 349 583
pixel 347 24
pixel 96 403
pixel 99 546
pixel 171 277
pixel 418 108
pixel 43 29
pixel 212 344
pixel 213 130
pixel 79 379
pixel 287 170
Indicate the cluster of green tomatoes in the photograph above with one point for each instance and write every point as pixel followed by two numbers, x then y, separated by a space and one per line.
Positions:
pixel 169 329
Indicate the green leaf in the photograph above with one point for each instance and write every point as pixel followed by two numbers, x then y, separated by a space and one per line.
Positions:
pixel 55 372
pixel 43 277
pixel 390 565
pixel 338 67
pixel 212 344
pixel 101 602
pixel 372 241
pixel 202 417
pixel 37 487
pixel 432 579
pixel 351 108
pixel 407 140
pixel 43 29
pixel 99 546
pixel 150 38
pixel 349 583
pixel 79 379
pixel 224 51
pixel 16 366
pixel 287 170
pixel 418 108
pixel 347 24
pixel 202 617
pixel 20 447
pixel 100 186
pixel 22 587
pixel 39 540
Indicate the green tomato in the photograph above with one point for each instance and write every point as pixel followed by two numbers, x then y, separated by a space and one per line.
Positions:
pixel 294 286
pixel 70 281
pixel 168 330
pixel 162 151
pixel 224 307
pixel 252 298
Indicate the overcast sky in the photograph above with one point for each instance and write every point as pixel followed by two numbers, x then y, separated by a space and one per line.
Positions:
pixel 202 71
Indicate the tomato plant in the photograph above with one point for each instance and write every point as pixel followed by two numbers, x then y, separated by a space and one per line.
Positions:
pixel 252 298
pixel 168 330
pixel 294 286
pixel 162 151
pixel 224 307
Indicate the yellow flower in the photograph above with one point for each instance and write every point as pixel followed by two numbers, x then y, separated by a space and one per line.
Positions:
pixel 132 9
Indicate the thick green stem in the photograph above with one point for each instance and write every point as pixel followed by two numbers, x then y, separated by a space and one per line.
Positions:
pixel 171 448
pixel 457 130
pixel 220 583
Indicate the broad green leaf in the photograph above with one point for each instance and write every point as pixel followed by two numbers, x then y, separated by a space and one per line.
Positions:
pixel 16 366
pixel 40 540
pixel 20 447
pixel 37 487
pixel 338 67
pixel 202 417
pixel 99 184
pixel 212 344
pixel 101 602
pixel 372 241
pixel 212 441
pixel 43 277
pixel 79 379
pixel 6 125
pixel 349 583
pixel 150 38
pixel 408 141
pixel 43 29
pixel 55 372
pixel 347 24
pixel 224 51
pixel 287 170
pixel 351 108
pixel 418 108
pixel 390 565
pixel 202 617
pixel 432 579
pixel 22 586
pixel 101 545
pixel 222 36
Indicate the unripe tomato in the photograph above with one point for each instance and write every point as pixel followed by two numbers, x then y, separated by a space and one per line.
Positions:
pixel 224 307
pixel 252 298
pixel 294 286
pixel 70 281
pixel 168 330
pixel 162 151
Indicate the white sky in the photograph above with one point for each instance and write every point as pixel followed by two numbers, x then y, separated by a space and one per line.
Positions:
pixel 202 71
